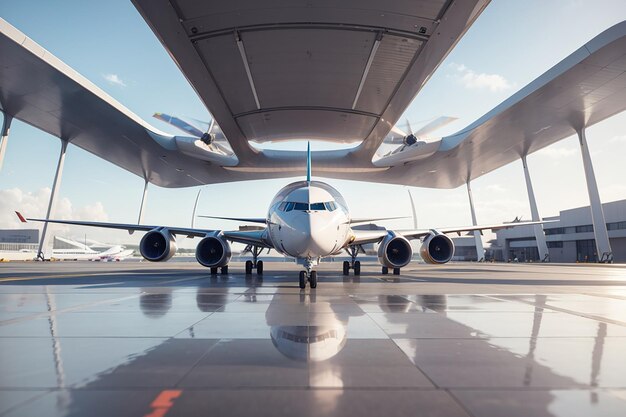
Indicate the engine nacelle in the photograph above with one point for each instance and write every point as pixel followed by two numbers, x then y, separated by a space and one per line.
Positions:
pixel 394 251
pixel 437 248
pixel 157 245
pixel 213 251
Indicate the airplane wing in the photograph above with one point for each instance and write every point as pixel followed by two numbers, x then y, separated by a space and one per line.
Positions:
pixel 239 219
pixel 255 237
pixel 122 226
pixel 374 219
pixel 361 237
pixel 416 234
pixel 252 237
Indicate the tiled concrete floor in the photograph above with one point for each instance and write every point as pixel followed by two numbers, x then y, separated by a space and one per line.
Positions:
pixel 135 339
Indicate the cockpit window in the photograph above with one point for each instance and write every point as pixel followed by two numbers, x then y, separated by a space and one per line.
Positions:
pixel 290 206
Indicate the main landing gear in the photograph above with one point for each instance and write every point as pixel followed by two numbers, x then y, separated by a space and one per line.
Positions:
pixel 223 268
pixel 254 263
pixel 353 251
pixel 308 275
pixel 396 271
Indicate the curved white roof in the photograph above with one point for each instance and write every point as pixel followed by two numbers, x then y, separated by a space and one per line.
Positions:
pixel 343 72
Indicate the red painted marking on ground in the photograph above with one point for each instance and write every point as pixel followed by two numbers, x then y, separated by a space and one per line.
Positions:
pixel 163 402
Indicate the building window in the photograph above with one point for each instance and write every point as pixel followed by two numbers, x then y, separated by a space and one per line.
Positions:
pixel 528 254
pixel 616 226
pixel 584 229
pixel 558 244
pixel 586 251
pixel 555 231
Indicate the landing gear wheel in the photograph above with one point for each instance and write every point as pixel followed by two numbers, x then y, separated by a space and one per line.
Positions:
pixel 248 267
pixel 357 268
pixel 225 270
pixel 396 271
pixel 214 271
pixel 259 267
pixel 313 279
pixel 346 268
pixel 385 270
pixel 302 279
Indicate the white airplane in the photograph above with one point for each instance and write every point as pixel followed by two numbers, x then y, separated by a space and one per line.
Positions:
pixel 307 220
pixel 115 253
pixel 81 252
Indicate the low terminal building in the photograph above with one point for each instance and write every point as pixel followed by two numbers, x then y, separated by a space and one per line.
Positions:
pixel 15 240
pixel 464 248
pixel 570 238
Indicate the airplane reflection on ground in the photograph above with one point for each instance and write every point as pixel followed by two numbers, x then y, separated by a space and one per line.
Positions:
pixel 353 347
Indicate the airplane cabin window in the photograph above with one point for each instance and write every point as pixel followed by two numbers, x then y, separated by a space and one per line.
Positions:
pixel 289 206
pixel 301 206
pixel 318 206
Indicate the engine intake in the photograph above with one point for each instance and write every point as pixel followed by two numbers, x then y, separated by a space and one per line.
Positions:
pixel 157 246
pixel 213 252
pixel 437 249
pixel 394 251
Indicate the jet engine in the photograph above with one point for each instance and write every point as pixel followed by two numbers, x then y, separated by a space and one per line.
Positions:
pixel 157 245
pixel 437 248
pixel 213 252
pixel 394 251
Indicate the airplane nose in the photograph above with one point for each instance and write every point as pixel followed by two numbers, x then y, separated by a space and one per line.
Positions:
pixel 321 237
pixel 309 235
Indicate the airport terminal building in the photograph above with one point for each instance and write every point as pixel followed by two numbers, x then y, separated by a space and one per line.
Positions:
pixel 569 239
pixel 13 240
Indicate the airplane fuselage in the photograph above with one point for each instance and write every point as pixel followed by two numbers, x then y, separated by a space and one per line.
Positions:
pixel 308 221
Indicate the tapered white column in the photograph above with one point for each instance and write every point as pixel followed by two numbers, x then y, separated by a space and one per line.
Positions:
pixel 143 202
pixel 540 237
pixel 480 251
pixel 603 246
pixel 4 136
pixel 52 202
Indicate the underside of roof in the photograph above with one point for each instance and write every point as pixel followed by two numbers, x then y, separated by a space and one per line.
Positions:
pixel 326 70
pixel 337 71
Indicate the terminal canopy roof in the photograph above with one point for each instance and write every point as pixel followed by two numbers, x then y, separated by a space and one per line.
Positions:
pixel 337 71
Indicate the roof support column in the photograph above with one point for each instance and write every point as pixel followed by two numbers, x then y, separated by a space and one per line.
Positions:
pixel 480 251
pixel 603 246
pixel 143 202
pixel 540 237
pixel 4 136
pixel 51 204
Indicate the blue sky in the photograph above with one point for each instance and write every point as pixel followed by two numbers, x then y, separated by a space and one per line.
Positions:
pixel 510 44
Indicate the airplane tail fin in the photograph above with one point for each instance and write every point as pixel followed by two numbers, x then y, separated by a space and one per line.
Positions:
pixel 308 162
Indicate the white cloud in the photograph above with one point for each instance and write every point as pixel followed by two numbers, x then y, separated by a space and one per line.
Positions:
pixel 480 81
pixel 114 79
pixel 618 139
pixel 35 204
pixel 557 153
pixel 613 192
pixel 495 188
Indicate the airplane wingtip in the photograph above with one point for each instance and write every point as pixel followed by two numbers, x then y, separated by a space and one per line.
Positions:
pixel 19 216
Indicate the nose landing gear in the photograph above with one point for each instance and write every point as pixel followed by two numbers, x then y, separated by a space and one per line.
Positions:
pixel 308 275
pixel 311 278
